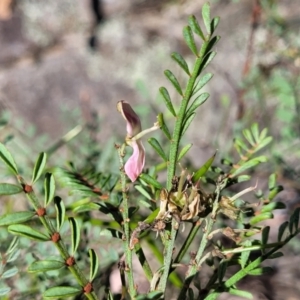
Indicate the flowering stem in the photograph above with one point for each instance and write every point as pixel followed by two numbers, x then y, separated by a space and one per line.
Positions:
pixel 124 211
pixel 173 154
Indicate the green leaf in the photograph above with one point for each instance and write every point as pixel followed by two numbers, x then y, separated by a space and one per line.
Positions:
pixel 174 81
pixel 202 82
pixel 245 254
pixel 184 151
pixel 62 291
pixel 197 102
pixel 75 234
pixel 265 235
pixel 16 218
pixel 207 59
pixel 260 271
pixel 261 217
pixel 214 24
pixel 189 39
pixel 8 159
pixel 276 255
pixel 60 212
pixel 206 17
pixel 150 180
pixel 181 62
pixel 110 232
pixel 193 22
pixel 201 172
pixel 94 264
pixel 49 186
pixel 45 265
pixel 143 191
pixel 13 245
pixel 247 134
pixel 187 122
pixel 255 132
pixel 39 167
pixel 165 94
pixel 294 220
pixel 4 291
pixel 27 231
pixel 274 192
pixel 239 293
pixel 164 128
pixel 281 230
pixel 10 272
pixel 271 206
pixel 272 181
pixel 210 46
pixel 222 270
pixel 249 164
pixel 157 147
pixel 263 143
pixel 155 295
pixel 10 189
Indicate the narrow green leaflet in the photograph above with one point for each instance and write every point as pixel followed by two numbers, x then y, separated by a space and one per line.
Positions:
pixel 49 186
pixel 60 212
pixel 222 270
pixel 62 292
pixel 75 237
pixel 273 205
pixel 8 159
pixel 214 24
pixel 181 62
pixel 94 264
pixel 197 102
pixel 166 96
pixel 110 232
pixel 184 151
pixel 4 291
pixel 10 189
pixel 272 181
pixel 276 255
pixel 206 17
pixel 156 295
pixel 265 235
pixel 174 81
pixel 247 134
pixel 240 293
pixel 294 220
pixel 187 122
pixel 193 22
pixel 274 192
pixel 201 172
pixel 28 232
pixel 189 39
pixel 255 132
pixel 261 217
pixel 247 165
pixel 39 167
pixel 260 271
pixel 150 180
pixel 245 254
pixel 202 82
pixel 163 126
pixel 208 58
pixel 16 218
pixel 264 143
pixel 143 191
pixel 45 265
pixel 281 230
pixel 157 147
pixel 10 272
pixel 13 245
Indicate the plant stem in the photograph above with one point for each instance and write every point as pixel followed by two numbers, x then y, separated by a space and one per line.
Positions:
pixel 60 245
pixel 124 211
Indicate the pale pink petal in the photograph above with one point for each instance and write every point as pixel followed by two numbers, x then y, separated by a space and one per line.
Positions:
pixel 133 126
pixel 135 164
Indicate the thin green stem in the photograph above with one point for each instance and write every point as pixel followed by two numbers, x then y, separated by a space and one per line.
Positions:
pixel 60 245
pixel 144 263
pixel 124 211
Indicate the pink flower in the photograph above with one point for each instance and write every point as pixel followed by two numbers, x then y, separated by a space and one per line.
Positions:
pixel 135 164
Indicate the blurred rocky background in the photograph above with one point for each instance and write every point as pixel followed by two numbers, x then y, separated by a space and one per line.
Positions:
pixel 64 61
